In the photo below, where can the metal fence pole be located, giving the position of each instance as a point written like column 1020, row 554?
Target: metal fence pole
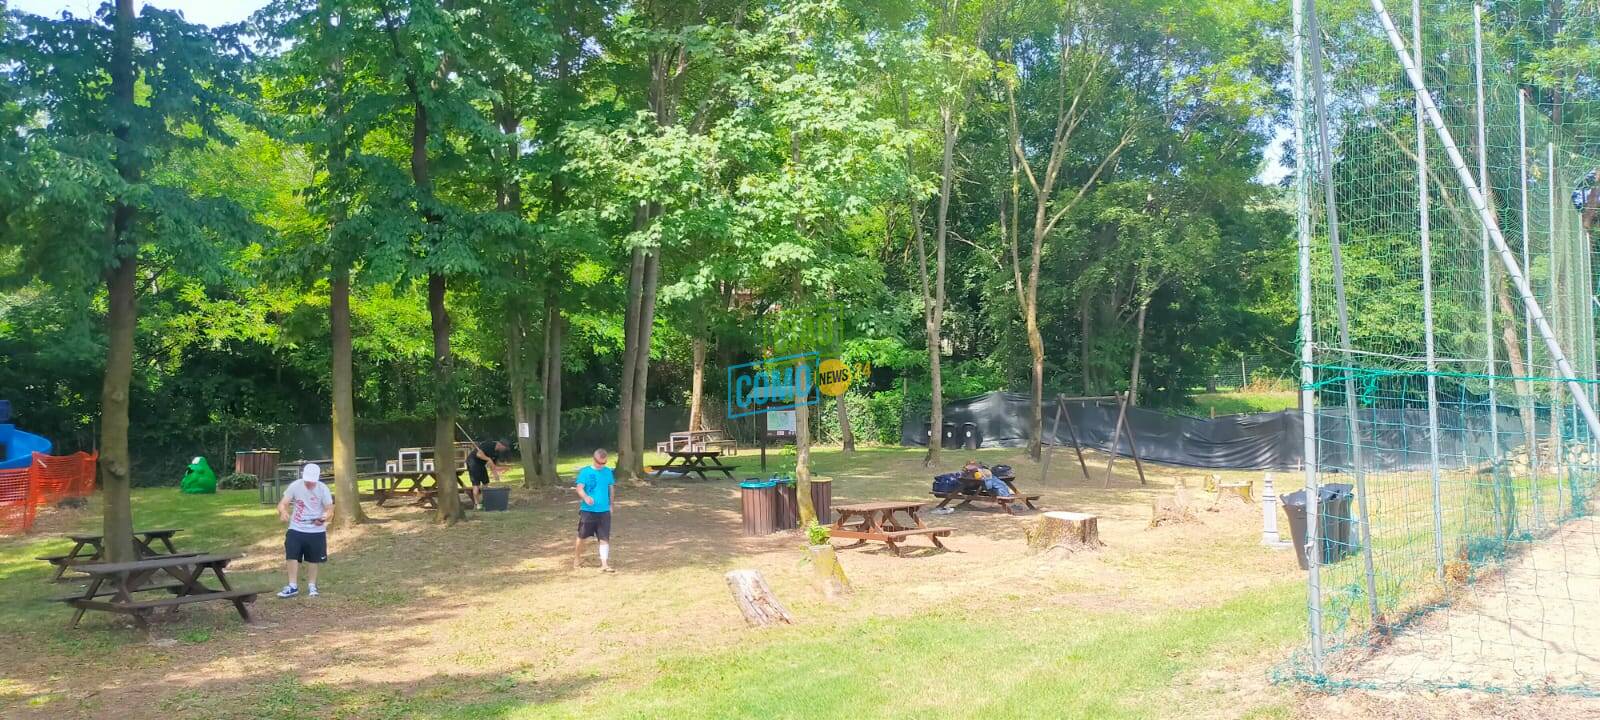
column 1430, row 358
column 1308, row 416
column 1532, row 443
column 1488, row 270
column 1325, row 152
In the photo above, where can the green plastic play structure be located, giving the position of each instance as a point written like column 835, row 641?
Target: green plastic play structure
column 200, row 480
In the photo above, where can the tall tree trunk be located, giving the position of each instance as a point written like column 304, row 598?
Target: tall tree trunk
column 517, row 373
column 550, row 429
column 1036, row 412
column 1085, row 344
column 930, row 327
column 121, row 307
column 641, row 367
column 1138, row 354
column 344, row 402
column 697, row 384
column 444, row 402
column 1519, row 370
column 630, row 356
column 847, row 437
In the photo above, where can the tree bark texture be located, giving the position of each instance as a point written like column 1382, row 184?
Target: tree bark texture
column 344, row 403
column 756, row 600
column 641, row 367
column 697, row 385
column 550, row 428
column 528, row 445
column 827, row 575
column 1138, row 354
column 630, row 356
column 115, row 466
column 1067, row 532
column 847, row 437
column 444, row 403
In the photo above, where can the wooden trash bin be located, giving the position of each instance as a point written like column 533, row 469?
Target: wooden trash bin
column 260, row 463
column 788, row 507
column 822, row 499
column 759, row 507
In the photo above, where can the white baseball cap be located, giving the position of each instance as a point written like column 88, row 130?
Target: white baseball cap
column 310, row 471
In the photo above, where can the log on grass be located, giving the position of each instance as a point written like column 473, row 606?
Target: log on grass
column 1064, row 531
column 756, row 600
column 826, row 572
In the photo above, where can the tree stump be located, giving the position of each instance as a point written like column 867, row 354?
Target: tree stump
column 1175, row 509
column 760, row 607
column 1067, row 532
column 1233, row 492
column 826, row 572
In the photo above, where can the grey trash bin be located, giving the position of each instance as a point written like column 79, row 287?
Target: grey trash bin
column 496, row 499
column 969, row 436
column 1336, row 527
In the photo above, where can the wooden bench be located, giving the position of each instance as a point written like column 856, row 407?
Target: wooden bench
column 876, row 522
column 107, row 592
column 89, row 548
column 1004, row 501
column 123, row 580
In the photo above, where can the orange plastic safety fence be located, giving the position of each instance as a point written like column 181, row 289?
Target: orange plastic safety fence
column 49, row 479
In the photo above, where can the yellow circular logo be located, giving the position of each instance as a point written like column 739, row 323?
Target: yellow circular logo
column 833, row 377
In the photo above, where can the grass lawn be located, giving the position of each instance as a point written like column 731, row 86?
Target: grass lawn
column 1237, row 403
column 486, row 619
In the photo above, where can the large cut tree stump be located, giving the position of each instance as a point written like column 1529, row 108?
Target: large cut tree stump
column 826, row 572
column 1066, row 532
column 760, row 607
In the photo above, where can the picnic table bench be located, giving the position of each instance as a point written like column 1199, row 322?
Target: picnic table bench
column 184, row 585
column 972, row 491
column 143, row 543
column 875, row 522
column 389, row 485
column 698, row 462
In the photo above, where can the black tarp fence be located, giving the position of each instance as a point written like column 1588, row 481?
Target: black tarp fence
column 1391, row 438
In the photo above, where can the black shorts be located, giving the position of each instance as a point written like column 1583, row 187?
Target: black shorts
column 305, row 546
column 594, row 524
column 479, row 473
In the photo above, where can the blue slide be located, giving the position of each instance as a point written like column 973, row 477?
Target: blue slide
column 17, row 447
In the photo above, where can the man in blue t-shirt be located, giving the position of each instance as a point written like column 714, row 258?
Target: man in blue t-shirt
column 594, row 515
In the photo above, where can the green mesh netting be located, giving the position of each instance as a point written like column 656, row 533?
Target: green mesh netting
column 1469, row 558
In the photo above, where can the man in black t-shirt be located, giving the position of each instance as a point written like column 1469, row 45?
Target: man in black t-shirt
column 482, row 459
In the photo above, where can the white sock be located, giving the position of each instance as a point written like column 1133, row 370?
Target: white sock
column 605, row 553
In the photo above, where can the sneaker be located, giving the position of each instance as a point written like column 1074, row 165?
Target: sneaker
column 288, row 591
column 311, row 590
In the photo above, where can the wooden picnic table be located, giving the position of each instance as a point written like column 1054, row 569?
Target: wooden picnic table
column 387, row 485
column 88, row 548
column 698, row 462
column 972, row 490
column 875, row 521
column 181, row 575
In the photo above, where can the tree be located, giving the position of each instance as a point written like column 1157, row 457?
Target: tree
column 105, row 100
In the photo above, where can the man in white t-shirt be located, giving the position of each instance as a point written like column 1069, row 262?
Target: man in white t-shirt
column 307, row 506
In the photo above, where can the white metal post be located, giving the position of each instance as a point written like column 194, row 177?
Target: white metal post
column 1428, row 346
column 1532, row 442
column 1308, row 415
column 1341, row 309
column 1481, row 205
column 1555, row 391
column 1488, row 269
